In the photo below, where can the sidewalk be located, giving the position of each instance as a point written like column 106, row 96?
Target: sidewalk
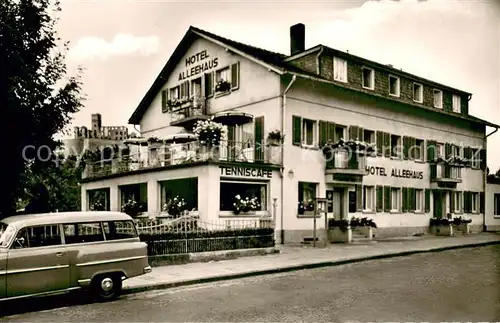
column 295, row 258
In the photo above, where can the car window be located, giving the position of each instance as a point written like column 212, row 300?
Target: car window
column 6, row 233
column 116, row 230
column 38, row 236
column 83, row 232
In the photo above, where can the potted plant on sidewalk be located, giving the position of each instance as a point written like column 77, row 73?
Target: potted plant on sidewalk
column 339, row 231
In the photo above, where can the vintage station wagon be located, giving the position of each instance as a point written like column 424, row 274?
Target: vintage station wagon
column 59, row 252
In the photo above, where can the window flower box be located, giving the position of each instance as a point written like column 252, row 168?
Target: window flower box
column 246, row 205
column 222, row 86
column 461, row 224
column 364, row 226
column 174, row 103
column 306, row 208
column 356, row 146
column 175, row 206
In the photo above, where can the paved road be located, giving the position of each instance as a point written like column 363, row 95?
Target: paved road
column 459, row 285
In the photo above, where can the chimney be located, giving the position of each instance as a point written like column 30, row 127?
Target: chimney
column 297, row 38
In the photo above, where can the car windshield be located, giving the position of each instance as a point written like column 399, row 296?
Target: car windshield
column 6, row 233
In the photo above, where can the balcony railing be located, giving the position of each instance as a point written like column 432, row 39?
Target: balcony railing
column 176, row 154
column 344, row 162
column 446, row 173
column 192, row 110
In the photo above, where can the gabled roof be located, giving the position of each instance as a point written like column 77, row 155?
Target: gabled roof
column 273, row 61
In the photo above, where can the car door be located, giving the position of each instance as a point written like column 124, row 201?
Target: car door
column 38, row 262
column 3, row 272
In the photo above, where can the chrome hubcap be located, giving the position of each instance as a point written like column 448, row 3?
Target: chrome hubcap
column 107, row 284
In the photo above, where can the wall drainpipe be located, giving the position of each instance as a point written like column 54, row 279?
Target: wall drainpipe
column 283, row 127
column 318, row 69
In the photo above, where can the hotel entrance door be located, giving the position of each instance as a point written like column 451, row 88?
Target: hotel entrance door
column 335, row 207
column 439, row 204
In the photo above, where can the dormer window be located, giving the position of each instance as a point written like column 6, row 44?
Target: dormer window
column 438, row 99
column 394, row 85
column 456, row 104
column 368, row 78
column 339, row 69
column 418, row 90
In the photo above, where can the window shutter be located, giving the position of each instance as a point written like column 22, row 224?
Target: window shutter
column 405, row 199
column 235, row 76
column 452, row 201
column 413, row 150
column 380, row 142
column 406, row 145
column 361, row 133
column 387, row 198
column 427, row 200
column 209, row 84
column 481, row 202
column 467, row 156
column 323, row 133
column 447, row 150
column 353, row 132
column 331, row 132
column 359, row 198
column 259, row 138
column 461, row 205
column 482, row 155
column 297, row 130
column 387, row 144
column 380, row 198
column 164, row 107
column 413, row 200
column 431, row 150
column 186, row 89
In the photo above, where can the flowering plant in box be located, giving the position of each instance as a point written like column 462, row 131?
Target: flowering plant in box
column 222, row 86
column 180, row 101
column 175, row 206
column 210, row 132
column 245, row 204
column 132, row 208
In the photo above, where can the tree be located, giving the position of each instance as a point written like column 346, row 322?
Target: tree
column 37, row 99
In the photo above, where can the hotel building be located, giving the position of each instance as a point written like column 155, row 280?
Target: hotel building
column 314, row 97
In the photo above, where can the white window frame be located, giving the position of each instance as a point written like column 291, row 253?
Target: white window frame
column 475, row 164
column 373, row 138
column 421, row 156
column 174, row 93
column 456, row 172
column 419, row 198
column 368, row 191
column 398, row 199
column 456, row 103
column 257, row 213
column 314, row 132
column 399, row 147
column 191, row 87
column 439, row 104
column 474, row 202
column 218, row 73
column 440, row 149
column 342, row 70
column 420, row 91
column 397, row 84
column 457, row 151
column 372, row 78
column 457, row 208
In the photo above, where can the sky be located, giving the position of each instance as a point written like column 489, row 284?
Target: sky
column 123, row 44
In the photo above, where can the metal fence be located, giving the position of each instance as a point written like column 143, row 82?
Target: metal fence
column 191, row 235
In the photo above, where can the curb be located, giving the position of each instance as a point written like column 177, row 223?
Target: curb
column 212, row 279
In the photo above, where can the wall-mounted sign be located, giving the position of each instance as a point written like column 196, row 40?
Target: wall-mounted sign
column 395, row 172
column 198, row 63
column 246, row 172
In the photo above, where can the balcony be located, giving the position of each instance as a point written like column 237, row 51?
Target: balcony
column 343, row 162
column 187, row 114
column 188, row 153
column 446, row 175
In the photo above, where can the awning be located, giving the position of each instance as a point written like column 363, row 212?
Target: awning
column 136, row 141
column 180, row 138
column 232, row 118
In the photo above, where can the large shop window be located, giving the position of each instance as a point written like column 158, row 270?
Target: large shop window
column 229, row 190
column 99, row 199
column 135, row 192
column 184, row 188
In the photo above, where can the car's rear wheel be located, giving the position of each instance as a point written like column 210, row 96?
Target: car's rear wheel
column 107, row 287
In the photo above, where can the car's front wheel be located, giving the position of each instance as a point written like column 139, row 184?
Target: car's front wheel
column 107, row 287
